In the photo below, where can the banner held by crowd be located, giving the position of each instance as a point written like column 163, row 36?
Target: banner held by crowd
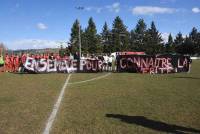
column 117, row 62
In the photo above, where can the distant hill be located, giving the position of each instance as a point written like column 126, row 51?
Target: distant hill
column 34, row 51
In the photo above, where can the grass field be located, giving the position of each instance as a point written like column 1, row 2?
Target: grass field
column 117, row 104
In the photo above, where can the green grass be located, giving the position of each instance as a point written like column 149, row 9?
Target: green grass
column 26, row 101
column 115, row 104
column 171, row 99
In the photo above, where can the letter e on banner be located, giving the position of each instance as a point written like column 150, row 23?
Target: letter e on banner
column 51, row 66
column 29, row 64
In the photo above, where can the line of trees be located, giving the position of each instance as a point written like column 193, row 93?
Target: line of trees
column 141, row 38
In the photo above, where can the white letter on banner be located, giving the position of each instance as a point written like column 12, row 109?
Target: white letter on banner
column 100, row 63
column 62, row 65
column 41, row 65
column 51, row 65
column 83, row 63
column 29, row 64
column 74, row 65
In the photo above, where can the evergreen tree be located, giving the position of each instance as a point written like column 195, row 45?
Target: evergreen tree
column 120, row 36
column 74, row 40
column 193, row 35
column 99, row 45
column 193, row 39
column 62, row 51
column 169, row 47
column 197, row 48
column 91, row 36
column 187, row 47
column 179, row 40
column 138, row 36
column 84, row 42
column 105, row 39
column 139, row 39
column 154, row 41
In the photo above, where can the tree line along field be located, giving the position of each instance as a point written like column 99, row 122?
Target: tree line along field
column 118, row 103
column 142, row 37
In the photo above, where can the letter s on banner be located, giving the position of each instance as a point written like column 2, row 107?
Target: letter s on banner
column 29, row 64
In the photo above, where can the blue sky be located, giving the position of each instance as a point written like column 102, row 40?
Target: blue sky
column 45, row 23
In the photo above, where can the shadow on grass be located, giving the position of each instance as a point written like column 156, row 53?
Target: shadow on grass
column 185, row 77
column 152, row 124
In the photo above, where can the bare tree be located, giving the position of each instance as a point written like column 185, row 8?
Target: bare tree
column 2, row 48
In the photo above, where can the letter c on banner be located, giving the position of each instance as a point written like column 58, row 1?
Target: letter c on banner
column 121, row 63
column 129, row 63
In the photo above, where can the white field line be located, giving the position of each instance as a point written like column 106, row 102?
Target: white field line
column 56, row 106
column 96, row 78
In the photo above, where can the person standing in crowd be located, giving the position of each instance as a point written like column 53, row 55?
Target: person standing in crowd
column 16, row 63
column 7, row 63
column 110, row 63
column 57, row 56
column 118, row 61
column 51, row 57
column 1, row 62
column 23, row 61
column 37, row 57
column 113, row 63
column 76, row 56
column 190, row 63
column 105, row 63
column 23, row 58
column 12, row 59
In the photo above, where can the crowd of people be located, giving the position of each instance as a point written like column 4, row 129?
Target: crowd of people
column 15, row 62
